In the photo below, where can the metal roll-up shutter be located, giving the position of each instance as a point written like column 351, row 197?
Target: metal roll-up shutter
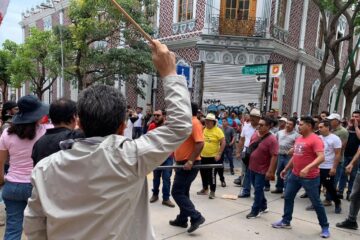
column 230, row 86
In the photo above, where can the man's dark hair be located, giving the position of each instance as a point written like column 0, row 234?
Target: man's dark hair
column 356, row 112
column 101, row 110
column 268, row 121
column 23, row 131
column 224, row 118
column 293, row 120
column 194, row 108
column 308, row 120
column 62, row 111
column 326, row 113
column 326, row 123
column 317, row 117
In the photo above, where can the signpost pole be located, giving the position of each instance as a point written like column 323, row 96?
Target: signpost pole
column 267, row 99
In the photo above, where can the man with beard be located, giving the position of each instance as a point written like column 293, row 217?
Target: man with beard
column 159, row 118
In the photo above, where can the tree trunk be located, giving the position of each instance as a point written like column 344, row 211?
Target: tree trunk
column 39, row 93
column 5, row 92
column 348, row 104
column 316, row 101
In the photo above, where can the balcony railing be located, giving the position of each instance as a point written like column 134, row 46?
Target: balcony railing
column 252, row 27
column 279, row 33
column 319, row 53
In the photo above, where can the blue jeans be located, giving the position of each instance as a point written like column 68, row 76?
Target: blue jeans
column 311, row 186
column 344, row 179
column 228, row 153
column 180, row 192
column 165, row 175
column 258, row 181
column 283, row 160
column 15, row 196
column 246, row 183
column 137, row 132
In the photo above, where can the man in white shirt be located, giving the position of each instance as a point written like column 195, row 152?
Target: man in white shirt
column 137, row 131
column 286, row 139
column 97, row 188
column 332, row 152
column 245, row 137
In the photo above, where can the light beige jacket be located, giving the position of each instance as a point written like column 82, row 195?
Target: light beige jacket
column 99, row 190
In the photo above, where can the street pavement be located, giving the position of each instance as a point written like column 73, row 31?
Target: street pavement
column 226, row 219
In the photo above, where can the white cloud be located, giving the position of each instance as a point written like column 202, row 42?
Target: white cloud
column 10, row 28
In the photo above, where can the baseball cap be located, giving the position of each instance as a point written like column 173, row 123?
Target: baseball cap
column 334, row 116
column 255, row 112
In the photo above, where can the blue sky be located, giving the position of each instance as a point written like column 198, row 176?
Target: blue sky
column 10, row 28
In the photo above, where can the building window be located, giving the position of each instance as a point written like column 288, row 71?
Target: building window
column 237, row 9
column 281, row 13
column 320, row 38
column 341, row 27
column 185, row 10
column 332, row 98
column 314, row 90
column 47, row 23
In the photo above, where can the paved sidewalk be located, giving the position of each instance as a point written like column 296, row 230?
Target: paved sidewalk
column 226, row 219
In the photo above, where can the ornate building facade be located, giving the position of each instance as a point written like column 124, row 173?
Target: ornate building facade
column 217, row 38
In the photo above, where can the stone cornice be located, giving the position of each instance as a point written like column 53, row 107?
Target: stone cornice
column 44, row 13
column 183, row 43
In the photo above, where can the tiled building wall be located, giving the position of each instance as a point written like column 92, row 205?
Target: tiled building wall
column 295, row 23
column 311, row 29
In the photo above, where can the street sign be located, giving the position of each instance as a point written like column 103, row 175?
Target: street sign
column 254, row 69
column 260, row 79
column 186, row 72
column 275, row 70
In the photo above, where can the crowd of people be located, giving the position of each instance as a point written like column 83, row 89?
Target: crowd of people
column 78, row 170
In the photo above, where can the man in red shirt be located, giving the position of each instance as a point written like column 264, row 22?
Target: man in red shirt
column 159, row 118
column 308, row 155
column 264, row 150
column 188, row 154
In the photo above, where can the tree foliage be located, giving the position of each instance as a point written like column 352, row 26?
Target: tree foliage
column 100, row 46
column 331, row 11
column 35, row 61
column 6, row 55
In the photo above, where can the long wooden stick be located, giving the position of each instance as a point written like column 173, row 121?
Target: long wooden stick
column 200, row 166
column 130, row 19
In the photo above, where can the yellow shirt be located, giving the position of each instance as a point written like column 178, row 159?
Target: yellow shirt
column 212, row 139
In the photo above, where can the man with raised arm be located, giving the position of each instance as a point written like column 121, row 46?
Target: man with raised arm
column 97, row 188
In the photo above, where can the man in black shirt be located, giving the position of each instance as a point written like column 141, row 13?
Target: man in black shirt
column 63, row 115
column 352, row 146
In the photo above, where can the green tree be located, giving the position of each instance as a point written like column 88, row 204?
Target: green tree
column 92, row 40
column 331, row 11
column 351, row 72
column 6, row 55
column 35, row 61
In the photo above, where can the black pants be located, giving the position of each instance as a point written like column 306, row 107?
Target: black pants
column 220, row 171
column 180, row 192
column 208, row 174
column 328, row 182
